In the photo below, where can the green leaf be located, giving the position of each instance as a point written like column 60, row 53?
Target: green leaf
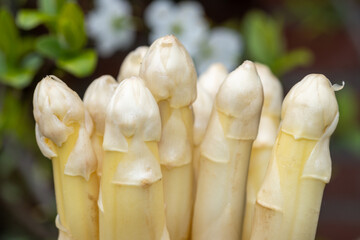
column 32, row 62
column 80, row 65
column 17, row 77
column 20, row 77
column 290, row 60
column 3, row 65
column 29, row 18
column 263, row 37
column 27, row 46
column 15, row 117
column 50, row 47
column 51, row 7
column 354, row 141
column 71, row 27
column 318, row 17
column 348, row 109
column 13, row 113
column 9, row 36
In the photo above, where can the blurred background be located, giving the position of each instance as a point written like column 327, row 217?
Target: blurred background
column 79, row 41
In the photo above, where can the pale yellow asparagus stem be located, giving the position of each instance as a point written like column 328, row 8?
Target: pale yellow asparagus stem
column 300, row 165
column 76, row 198
column 257, row 168
column 178, row 178
column 131, row 212
column 169, row 73
column 202, row 110
column 207, row 87
column 96, row 100
column 225, row 154
column 63, row 129
column 262, row 147
column 131, row 199
column 307, row 213
column 130, row 67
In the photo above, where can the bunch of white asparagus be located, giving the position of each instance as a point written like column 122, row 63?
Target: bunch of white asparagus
column 160, row 155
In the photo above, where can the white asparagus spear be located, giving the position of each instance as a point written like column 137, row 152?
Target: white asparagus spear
column 263, row 144
column 225, row 154
column 212, row 79
column 96, row 100
column 63, row 130
column 202, row 110
column 169, row 73
column 288, row 203
column 130, row 67
column 131, row 199
column 207, row 87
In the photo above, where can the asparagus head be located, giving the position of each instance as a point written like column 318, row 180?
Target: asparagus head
column 169, row 73
column 96, row 100
column 131, row 198
column 289, row 200
column 63, row 131
column 225, row 155
column 263, row 144
column 212, row 79
column 131, row 64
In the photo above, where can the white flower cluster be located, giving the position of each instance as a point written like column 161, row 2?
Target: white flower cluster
column 110, row 25
column 186, row 20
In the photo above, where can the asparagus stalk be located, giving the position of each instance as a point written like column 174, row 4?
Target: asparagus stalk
column 96, row 100
column 202, row 110
column 225, row 154
column 262, row 147
column 131, row 197
column 207, row 87
column 212, row 79
column 169, row 73
column 289, row 200
column 63, row 130
column 131, row 64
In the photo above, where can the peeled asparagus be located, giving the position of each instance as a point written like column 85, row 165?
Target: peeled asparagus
column 288, row 203
column 202, row 110
column 63, row 131
column 96, row 100
column 131, row 199
column 169, row 73
column 212, row 79
column 225, row 154
column 263, row 144
column 131, row 64
column 207, row 87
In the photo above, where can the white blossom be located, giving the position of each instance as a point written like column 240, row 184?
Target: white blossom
column 184, row 20
column 223, row 45
column 110, row 25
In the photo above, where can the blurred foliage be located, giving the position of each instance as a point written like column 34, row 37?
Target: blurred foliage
column 67, row 37
column 318, row 16
column 348, row 129
column 18, row 63
column 264, row 42
column 26, row 192
column 25, row 189
column 15, row 118
column 21, row 57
